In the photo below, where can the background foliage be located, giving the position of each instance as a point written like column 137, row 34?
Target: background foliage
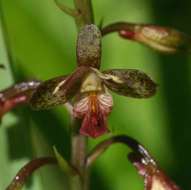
column 42, row 42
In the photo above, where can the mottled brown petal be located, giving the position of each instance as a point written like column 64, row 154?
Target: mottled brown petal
column 129, row 82
column 89, row 46
column 44, row 96
column 58, row 90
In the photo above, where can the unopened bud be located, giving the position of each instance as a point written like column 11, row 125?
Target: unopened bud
column 154, row 178
column 162, row 39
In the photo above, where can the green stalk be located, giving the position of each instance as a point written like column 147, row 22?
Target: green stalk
column 79, row 144
column 84, row 8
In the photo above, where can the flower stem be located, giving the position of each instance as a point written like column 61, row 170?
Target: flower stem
column 79, row 142
column 84, row 7
column 78, row 156
column 25, row 172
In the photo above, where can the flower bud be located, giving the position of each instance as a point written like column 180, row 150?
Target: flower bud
column 163, row 39
column 154, row 178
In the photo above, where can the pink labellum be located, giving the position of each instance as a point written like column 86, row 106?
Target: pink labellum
column 81, row 108
column 94, row 124
column 94, row 110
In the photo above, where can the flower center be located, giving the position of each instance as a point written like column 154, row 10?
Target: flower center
column 93, row 107
column 92, row 83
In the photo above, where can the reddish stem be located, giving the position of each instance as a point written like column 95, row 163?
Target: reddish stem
column 25, row 172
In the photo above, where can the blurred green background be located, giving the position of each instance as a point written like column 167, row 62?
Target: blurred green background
column 43, row 41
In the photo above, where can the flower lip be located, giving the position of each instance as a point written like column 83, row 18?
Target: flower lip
column 94, row 109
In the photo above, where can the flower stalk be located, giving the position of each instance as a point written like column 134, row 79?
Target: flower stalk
column 25, row 172
column 84, row 8
column 71, row 12
column 79, row 142
column 78, row 154
column 154, row 177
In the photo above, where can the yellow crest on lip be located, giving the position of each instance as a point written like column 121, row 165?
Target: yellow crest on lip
column 93, row 102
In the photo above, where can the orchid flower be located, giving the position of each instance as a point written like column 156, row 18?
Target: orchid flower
column 86, row 89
